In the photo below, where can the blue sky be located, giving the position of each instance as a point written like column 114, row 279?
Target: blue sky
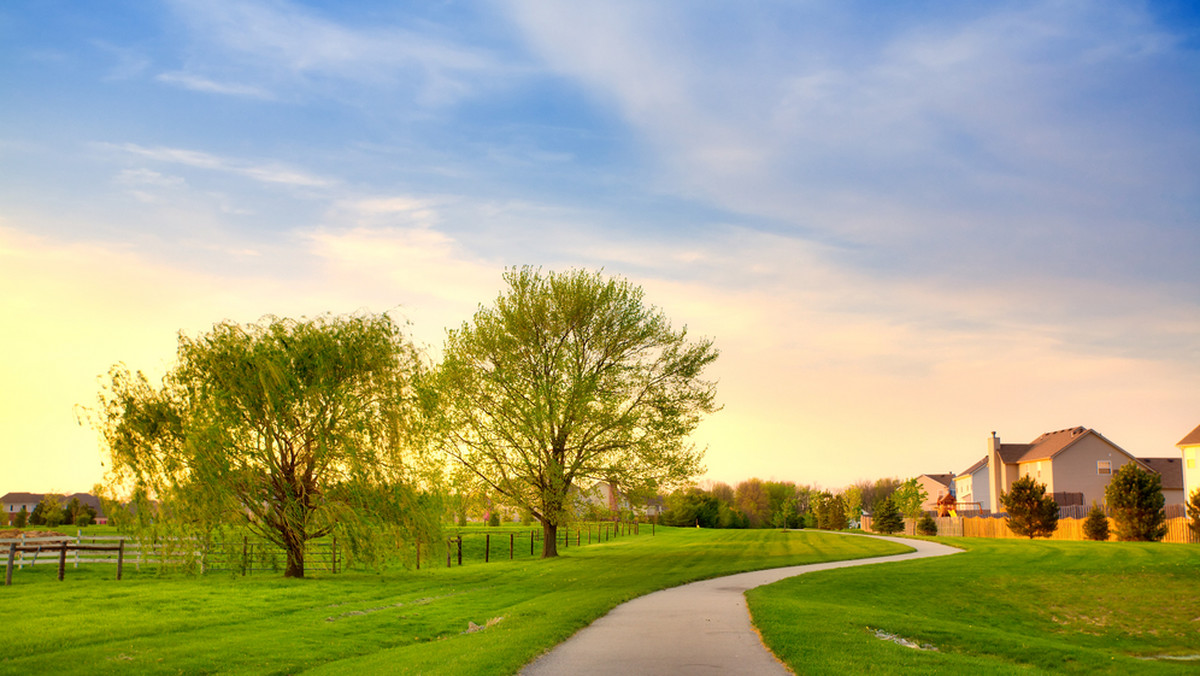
column 905, row 224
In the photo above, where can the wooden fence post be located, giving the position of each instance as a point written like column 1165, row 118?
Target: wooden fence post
column 418, row 555
column 531, row 541
column 120, row 557
column 487, row 547
column 460, row 550
column 245, row 552
column 334, row 555
column 78, row 537
column 62, row 560
column 12, row 553
column 512, row 544
column 448, row 553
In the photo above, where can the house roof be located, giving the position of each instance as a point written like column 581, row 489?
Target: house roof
column 975, row 468
column 1049, row 445
column 943, row 479
column 1170, row 469
column 16, row 498
column 1192, row 439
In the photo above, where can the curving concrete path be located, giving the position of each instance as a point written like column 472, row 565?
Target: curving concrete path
column 697, row 628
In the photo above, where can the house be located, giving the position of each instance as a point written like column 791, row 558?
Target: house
column 971, row 488
column 604, row 498
column 1075, row 464
column 13, row 502
column 1171, row 471
column 936, row 487
column 1190, row 445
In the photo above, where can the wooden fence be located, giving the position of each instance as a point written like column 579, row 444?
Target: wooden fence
column 1068, row 528
column 249, row 555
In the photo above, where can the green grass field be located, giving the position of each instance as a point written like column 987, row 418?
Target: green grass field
column 391, row 622
column 1003, row 606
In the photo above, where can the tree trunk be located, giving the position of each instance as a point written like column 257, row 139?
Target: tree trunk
column 295, row 555
column 549, row 540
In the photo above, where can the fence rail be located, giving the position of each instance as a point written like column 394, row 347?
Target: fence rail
column 248, row 556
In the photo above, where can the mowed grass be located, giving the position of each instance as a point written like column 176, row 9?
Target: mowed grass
column 358, row 622
column 1003, row 606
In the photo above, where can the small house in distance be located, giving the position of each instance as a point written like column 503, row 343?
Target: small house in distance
column 971, row 488
column 936, row 487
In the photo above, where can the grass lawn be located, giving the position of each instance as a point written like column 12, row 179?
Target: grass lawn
column 391, row 622
column 1003, row 606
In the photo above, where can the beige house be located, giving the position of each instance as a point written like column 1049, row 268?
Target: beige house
column 936, row 486
column 1190, row 445
column 1075, row 464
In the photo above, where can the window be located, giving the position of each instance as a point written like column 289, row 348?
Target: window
column 1103, row 467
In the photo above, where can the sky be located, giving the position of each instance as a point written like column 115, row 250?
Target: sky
column 904, row 225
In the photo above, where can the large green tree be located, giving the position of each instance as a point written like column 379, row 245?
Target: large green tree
column 1031, row 512
column 572, row 376
column 296, row 428
column 1136, row 500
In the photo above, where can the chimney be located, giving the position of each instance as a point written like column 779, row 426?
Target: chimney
column 995, row 474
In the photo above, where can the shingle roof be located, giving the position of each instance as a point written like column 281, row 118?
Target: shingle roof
column 973, row 468
column 1192, row 439
column 15, row 498
column 1170, row 469
column 1044, row 447
column 943, row 479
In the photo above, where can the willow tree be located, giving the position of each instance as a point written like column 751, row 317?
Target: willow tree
column 296, row 428
column 571, row 376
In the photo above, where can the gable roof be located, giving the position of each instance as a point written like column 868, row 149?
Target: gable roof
column 1170, row 469
column 975, row 468
column 943, row 479
column 1192, row 439
column 1051, row 444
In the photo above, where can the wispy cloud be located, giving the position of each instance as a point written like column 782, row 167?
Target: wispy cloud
column 283, row 41
column 202, row 84
column 266, row 172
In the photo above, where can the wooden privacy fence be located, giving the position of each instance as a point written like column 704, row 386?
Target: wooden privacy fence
column 1068, row 528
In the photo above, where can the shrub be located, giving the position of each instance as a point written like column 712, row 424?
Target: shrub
column 1136, row 500
column 1096, row 526
column 21, row 519
column 887, row 517
column 1031, row 512
column 494, row 519
column 927, row 526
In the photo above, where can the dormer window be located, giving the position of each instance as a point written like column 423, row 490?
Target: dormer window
column 1103, row 467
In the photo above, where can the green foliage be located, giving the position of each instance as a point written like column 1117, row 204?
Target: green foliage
column 1095, row 527
column 21, row 519
column 1031, row 512
column 887, row 518
column 295, row 428
column 751, row 497
column 1136, row 500
column 927, row 526
column 692, row 507
column 1193, row 511
column 566, row 377
column 49, row 512
column 79, row 513
column 910, row 498
column 494, row 519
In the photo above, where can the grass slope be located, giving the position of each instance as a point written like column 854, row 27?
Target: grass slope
column 1003, row 606
column 393, row 622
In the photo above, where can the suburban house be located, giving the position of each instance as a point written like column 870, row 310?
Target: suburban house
column 1171, row 471
column 1190, row 445
column 971, row 488
column 936, row 487
column 1075, row 464
column 11, row 503
column 605, row 497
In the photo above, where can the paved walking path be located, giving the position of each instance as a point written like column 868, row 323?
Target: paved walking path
column 698, row 628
